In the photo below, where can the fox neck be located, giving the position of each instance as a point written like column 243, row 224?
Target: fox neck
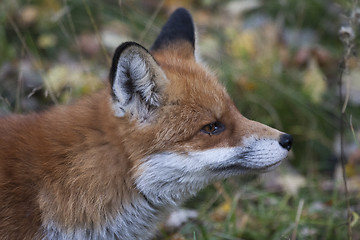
column 135, row 220
column 101, row 204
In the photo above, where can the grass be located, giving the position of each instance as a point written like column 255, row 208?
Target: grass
column 255, row 213
column 258, row 70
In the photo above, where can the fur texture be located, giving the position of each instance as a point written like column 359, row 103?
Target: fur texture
column 113, row 164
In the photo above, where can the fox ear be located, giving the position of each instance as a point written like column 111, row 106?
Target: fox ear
column 178, row 29
column 137, row 82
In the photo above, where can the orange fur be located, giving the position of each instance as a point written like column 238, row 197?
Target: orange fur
column 78, row 165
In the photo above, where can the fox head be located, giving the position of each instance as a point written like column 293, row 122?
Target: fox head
column 185, row 129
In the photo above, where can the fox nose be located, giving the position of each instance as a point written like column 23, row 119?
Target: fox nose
column 286, row 141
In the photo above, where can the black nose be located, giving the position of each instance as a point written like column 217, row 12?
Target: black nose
column 286, row 141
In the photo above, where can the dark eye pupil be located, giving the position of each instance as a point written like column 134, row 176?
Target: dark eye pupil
column 213, row 128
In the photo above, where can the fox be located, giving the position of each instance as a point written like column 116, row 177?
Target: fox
column 115, row 163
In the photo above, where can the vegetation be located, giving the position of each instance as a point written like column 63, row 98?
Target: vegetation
column 278, row 59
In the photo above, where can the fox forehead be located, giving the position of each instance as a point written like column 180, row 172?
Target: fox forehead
column 194, row 98
column 193, row 86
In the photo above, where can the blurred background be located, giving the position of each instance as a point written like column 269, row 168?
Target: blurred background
column 281, row 61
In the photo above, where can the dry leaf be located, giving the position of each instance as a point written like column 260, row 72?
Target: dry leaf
column 221, row 212
column 58, row 78
column 246, row 84
column 29, row 15
column 243, row 44
column 291, row 183
column 47, row 41
column 314, row 82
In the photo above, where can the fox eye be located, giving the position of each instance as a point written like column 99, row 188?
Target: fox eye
column 213, row 128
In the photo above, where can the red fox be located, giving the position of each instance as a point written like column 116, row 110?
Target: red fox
column 112, row 165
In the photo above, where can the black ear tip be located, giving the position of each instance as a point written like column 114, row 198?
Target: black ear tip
column 180, row 26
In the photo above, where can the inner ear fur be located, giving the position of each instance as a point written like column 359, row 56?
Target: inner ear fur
column 137, row 82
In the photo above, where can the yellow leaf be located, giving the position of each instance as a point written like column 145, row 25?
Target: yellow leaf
column 50, row 5
column 47, row 40
column 314, row 83
column 221, row 211
column 61, row 77
column 243, row 45
column 56, row 78
column 355, row 218
column 245, row 84
column 350, row 169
